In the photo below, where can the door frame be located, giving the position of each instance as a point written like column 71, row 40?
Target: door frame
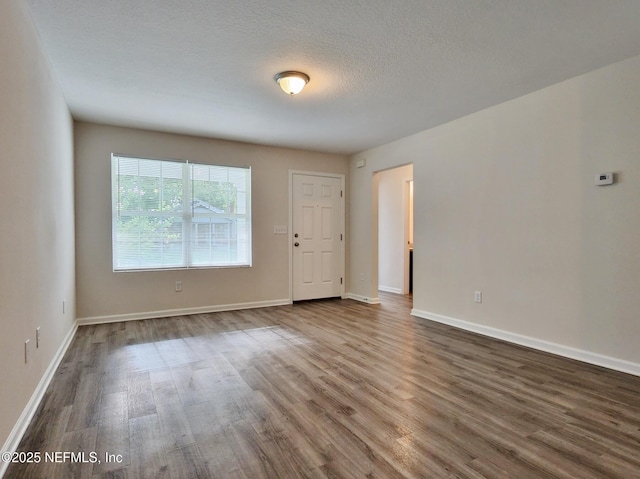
column 408, row 223
column 342, row 248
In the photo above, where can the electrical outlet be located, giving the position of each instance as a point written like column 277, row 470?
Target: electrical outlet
column 477, row 297
column 37, row 337
column 178, row 286
column 26, row 351
column 604, row 179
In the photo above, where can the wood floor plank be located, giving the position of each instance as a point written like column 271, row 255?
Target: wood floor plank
column 140, row 400
column 174, row 423
column 84, row 412
column 219, row 458
column 331, row 388
column 113, row 432
column 187, row 462
column 81, row 442
column 148, row 449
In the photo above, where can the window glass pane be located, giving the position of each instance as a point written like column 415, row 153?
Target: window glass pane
column 243, row 240
column 219, row 241
column 172, row 187
column 238, row 178
column 212, row 191
column 212, row 242
column 150, row 216
column 127, row 181
column 148, row 242
column 149, row 185
column 150, row 191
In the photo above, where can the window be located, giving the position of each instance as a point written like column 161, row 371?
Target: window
column 170, row 214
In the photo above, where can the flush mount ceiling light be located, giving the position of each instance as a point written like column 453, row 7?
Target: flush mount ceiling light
column 291, row 82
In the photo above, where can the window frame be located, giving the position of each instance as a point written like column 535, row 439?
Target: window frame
column 186, row 214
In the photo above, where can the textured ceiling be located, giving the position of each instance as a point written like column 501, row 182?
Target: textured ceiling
column 380, row 69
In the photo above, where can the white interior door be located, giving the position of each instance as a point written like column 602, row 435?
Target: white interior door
column 317, row 236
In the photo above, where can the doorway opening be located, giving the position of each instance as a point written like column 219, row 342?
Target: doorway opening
column 394, row 208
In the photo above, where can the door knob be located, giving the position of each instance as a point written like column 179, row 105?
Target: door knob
column 296, row 244
column 295, row 235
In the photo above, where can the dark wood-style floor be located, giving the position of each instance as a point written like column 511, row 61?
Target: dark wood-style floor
column 330, row 388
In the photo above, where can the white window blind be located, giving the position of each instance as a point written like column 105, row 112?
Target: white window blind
column 169, row 214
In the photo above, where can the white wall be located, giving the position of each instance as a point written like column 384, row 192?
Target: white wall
column 36, row 208
column 105, row 295
column 505, row 203
column 392, row 213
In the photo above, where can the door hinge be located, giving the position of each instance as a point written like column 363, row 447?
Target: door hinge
column 340, row 236
column 340, row 193
column 340, row 280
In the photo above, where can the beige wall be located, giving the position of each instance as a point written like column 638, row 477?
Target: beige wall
column 505, row 204
column 393, row 211
column 101, row 292
column 36, row 208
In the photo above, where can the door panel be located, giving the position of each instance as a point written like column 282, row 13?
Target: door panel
column 307, row 267
column 307, row 222
column 317, row 222
column 327, row 266
column 327, row 223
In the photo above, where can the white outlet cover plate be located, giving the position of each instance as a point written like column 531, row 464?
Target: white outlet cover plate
column 603, row 179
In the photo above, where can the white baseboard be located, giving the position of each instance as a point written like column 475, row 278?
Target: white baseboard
column 13, row 441
column 116, row 318
column 539, row 344
column 363, row 299
column 389, row 289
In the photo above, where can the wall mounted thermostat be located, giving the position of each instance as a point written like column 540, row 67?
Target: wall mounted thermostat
column 604, row 179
